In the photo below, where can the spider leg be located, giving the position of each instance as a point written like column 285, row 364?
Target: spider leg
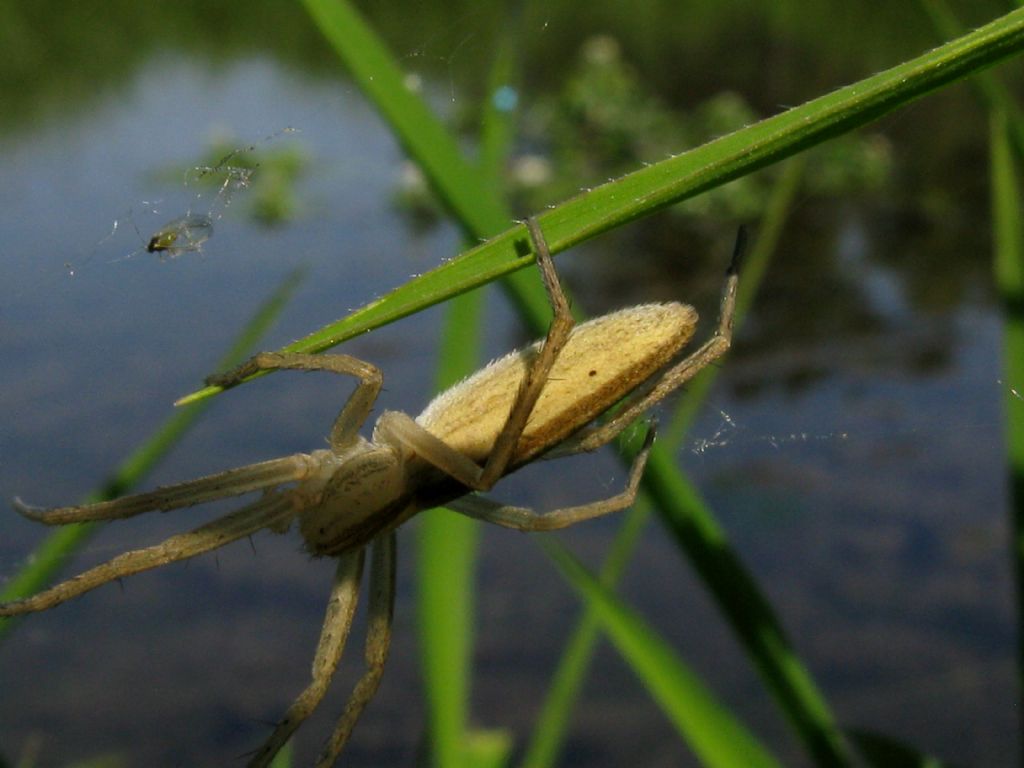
column 356, row 410
column 537, row 375
column 233, row 482
column 337, row 622
column 271, row 511
column 378, row 641
column 671, row 379
column 402, row 428
column 523, row 519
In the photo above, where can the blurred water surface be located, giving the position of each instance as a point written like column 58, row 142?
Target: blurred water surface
column 853, row 445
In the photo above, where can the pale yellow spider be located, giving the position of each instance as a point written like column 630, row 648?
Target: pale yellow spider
column 534, row 402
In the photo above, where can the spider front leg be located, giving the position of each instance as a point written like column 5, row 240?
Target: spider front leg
column 275, row 510
column 400, row 428
column 537, row 374
column 355, row 412
column 675, row 376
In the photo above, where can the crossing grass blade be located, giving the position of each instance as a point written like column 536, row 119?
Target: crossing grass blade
column 711, row 731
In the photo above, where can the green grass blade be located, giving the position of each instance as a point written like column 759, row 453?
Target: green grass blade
column 457, row 183
column 53, row 553
column 553, row 722
column 652, row 187
column 1009, row 275
column 448, row 542
column 992, row 92
column 717, row 738
column 701, row 538
column 780, row 136
column 283, row 759
column 447, row 546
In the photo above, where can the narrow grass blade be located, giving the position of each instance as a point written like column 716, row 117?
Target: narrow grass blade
column 456, row 181
column 447, row 546
column 717, row 738
column 991, row 91
column 448, row 542
column 53, row 553
column 1009, row 275
column 692, row 524
column 553, row 723
column 283, row 759
column 648, row 189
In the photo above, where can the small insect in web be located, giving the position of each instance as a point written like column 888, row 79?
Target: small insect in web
column 229, row 173
column 181, row 235
column 544, row 401
column 185, row 234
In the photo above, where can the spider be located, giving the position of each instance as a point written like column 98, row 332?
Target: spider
column 540, row 401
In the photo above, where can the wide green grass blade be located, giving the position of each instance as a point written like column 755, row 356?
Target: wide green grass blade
column 457, row 182
column 53, row 553
column 1009, row 275
column 554, row 720
column 991, row 91
column 717, row 738
column 640, row 193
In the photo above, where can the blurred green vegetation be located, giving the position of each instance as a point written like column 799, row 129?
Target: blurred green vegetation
column 61, row 57
column 268, row 172
column 606, row 121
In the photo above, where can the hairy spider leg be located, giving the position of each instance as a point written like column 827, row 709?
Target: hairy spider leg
column 273, row 510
